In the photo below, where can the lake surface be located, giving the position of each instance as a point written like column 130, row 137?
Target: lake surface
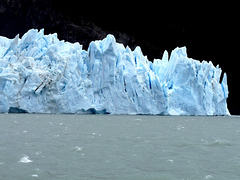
column 79, row 147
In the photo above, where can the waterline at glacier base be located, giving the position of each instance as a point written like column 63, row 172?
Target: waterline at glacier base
column 41, row 74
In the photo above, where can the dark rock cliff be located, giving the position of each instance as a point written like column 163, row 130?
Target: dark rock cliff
column 73, row 24
column 132, row 25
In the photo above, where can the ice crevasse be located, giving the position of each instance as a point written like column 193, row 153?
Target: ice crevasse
column 41, row 74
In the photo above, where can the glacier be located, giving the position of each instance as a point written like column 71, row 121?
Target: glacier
column 42, row 74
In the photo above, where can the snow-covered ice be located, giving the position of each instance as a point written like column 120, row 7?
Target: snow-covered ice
column 41, row 74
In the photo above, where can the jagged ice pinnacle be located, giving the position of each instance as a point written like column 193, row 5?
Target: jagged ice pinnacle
column 41, row 74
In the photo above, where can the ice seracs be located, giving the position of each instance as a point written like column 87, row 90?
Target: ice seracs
column 41, row 74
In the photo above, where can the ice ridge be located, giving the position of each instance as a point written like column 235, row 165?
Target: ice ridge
column 41, row 74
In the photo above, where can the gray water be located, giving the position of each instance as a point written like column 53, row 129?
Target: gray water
column 37, row 146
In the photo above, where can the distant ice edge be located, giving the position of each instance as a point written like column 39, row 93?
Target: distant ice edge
column 41, row 74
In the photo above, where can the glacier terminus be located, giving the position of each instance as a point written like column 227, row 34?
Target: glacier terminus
column 42, row 74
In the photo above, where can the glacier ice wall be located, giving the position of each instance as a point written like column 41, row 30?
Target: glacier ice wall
column 41, row 74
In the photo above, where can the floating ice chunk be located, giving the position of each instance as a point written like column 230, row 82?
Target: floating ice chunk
column 25, row 159
column 35, row 175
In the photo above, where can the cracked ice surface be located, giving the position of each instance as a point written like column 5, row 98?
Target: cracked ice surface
column 41, row 74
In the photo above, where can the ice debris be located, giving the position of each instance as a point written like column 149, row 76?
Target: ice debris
column 41, row 74
column 25, row 159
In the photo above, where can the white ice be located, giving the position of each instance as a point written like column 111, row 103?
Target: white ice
column 41, row 74
column 25, row 159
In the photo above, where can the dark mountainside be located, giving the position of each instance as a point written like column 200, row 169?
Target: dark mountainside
column 208, row 31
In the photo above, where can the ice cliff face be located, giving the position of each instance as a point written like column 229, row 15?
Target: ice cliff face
column 41, row 74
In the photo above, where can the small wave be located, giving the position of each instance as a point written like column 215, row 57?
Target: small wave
column 180, row 127
column 219, row 142
column 208, row 177
column 77, row 148
column 137, row 119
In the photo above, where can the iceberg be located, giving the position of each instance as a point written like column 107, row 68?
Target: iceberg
column 42, row 74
